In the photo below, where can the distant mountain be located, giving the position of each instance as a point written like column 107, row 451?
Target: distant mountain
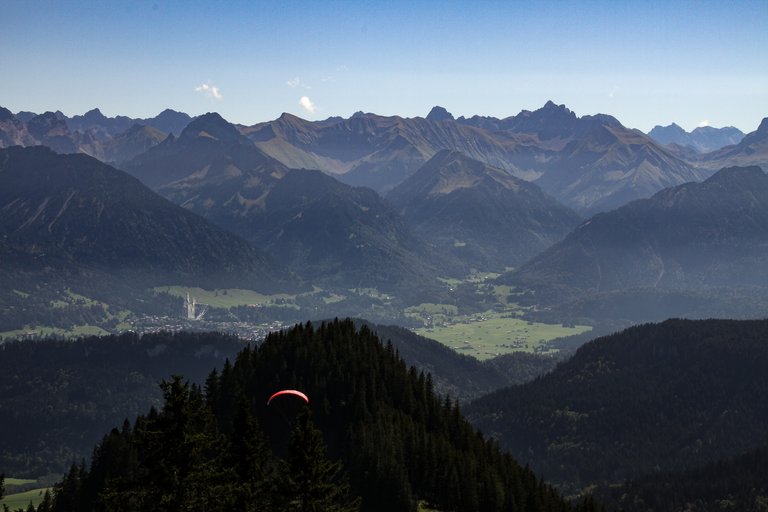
column 752, row 150
column 50, row 130
column 13, row 132
column 131, row 143
column 703, row 139
column 439, row 114
column 373, row 151
column 168, row 121
column 75, row 214
column 601, row 164
column 590, row 163
column 483, row 215
column 689, row 237
column 110, row 139
column 101, row 126
column 325, row 230
column 658, row 397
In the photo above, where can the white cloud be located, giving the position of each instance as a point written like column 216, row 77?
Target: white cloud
column 210, row 91
column 703, row 123
column 307, row 104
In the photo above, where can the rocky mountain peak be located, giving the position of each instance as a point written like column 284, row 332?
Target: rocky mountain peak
column 6, row 115
column 211, row 125
column 439, row 114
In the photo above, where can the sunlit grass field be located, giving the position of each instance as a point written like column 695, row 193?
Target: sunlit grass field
column 489, row 334
column 228, row 298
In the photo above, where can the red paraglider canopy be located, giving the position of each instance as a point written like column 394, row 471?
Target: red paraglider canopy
column 289, row 392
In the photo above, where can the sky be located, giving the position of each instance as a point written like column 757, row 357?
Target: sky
column 645, row 62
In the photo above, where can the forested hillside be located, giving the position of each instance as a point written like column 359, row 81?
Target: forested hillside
column 399, row 443
column 739, row 483
column 658, row 397
column 58, row 397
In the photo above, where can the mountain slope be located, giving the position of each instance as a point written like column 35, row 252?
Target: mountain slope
column 482, row 214
column 72, row 211
column 657, row 397
column 690, row 237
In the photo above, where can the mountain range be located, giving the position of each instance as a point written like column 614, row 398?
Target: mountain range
column 703, row 139
column 464, row 194
column 327, row 231
column 590, row 163
column 111, row 140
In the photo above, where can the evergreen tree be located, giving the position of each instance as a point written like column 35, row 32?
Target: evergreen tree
column 253, row 464
column 47, row 504
column 316, row 483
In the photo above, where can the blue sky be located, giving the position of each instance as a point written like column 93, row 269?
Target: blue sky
column 645, row 62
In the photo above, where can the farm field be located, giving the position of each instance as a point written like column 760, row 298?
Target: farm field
column 226, row 298
column 489, row 334
column 76, row 331
column 22, row 500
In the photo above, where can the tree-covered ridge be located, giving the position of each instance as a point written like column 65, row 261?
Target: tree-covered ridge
column 658, row 397
column 58, row 397
column 739, row 483
column 397, row 440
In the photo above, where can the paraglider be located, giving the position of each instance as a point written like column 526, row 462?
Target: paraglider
column 289, row 392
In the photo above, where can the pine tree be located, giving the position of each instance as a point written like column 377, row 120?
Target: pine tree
column 251, row 459
column 316, row 483
column 47, row 504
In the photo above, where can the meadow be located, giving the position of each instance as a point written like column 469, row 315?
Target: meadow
column 489, row 334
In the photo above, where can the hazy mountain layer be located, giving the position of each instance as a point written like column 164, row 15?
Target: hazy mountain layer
column 752, row 150
column 110, row 139
column 703, row 139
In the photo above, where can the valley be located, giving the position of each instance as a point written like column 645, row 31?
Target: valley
column 376, row 256
column 495, row 274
